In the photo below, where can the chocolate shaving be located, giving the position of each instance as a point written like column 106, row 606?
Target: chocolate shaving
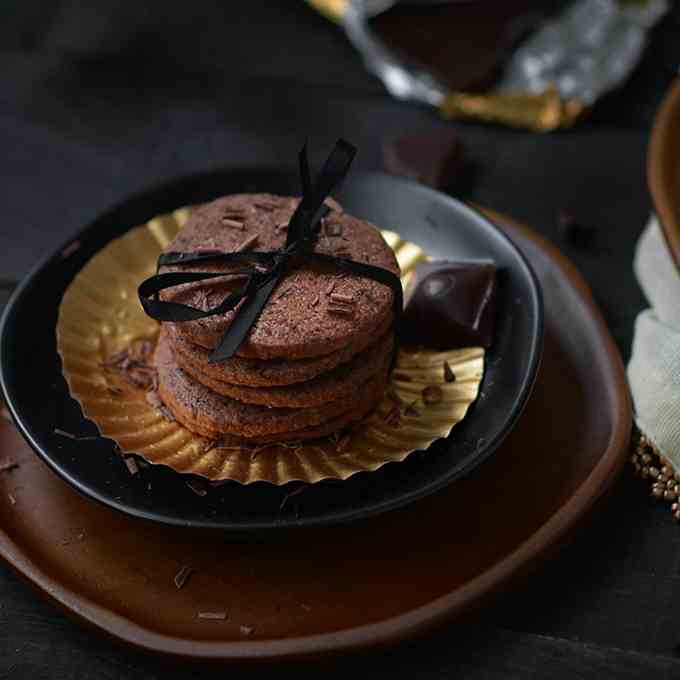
column 233, row 224
column 393, row 416
column 131, row 464
column 411, row 409
column 432, row 394
column 331, row 287
column 401, row 376
column 116, row 360
column 167, row 414
column 449, row 375
column 8, row 465
column 209, row 445
column 182, row 577
column 248, row 243
column 268, row 205
column 217, row 616
column 342, row 310
column 197, row 487
column 342, row 299
column 141, row 377
column 255, row 451
column 69, row 435
column 315, row 301
column 292, row 494
column 70, row 249
column 247, row 630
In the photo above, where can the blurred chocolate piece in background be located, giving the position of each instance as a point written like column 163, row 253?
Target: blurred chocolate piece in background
column 463, row 44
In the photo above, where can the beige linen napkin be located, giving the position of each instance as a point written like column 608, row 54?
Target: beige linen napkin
column 654, row 367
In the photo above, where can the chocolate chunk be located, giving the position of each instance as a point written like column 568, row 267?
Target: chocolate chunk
column 450, row 304
column 434, row 159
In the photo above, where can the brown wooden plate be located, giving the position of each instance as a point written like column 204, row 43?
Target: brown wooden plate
column 356, row 586
column 663, row 168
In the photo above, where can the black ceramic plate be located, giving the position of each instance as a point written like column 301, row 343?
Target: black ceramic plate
column 38, row 398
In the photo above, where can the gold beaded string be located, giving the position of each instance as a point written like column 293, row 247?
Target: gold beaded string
column 649, row 464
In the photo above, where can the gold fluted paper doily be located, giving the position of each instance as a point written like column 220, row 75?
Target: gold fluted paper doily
column 100, row 315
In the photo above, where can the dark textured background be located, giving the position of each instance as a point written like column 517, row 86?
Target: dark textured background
column 100, row 99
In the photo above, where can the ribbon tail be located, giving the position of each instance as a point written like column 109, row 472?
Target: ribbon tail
column 243, row 321
column 305, row 174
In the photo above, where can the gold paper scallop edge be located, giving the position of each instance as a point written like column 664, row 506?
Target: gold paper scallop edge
column 100, row 315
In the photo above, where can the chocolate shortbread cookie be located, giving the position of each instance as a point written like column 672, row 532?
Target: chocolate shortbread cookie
column 340, row 383
column 207, row 413
column 264, row 373
column 315, row 310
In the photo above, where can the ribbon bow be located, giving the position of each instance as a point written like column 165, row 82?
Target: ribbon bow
column 265, row 269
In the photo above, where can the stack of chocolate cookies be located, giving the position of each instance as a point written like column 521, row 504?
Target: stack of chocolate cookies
column 316, row 360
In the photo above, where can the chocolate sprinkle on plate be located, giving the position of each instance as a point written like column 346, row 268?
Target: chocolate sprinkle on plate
column 217, row 616
column 70, row 249
column 393, row 416
column 182, row 577
column 132, row 467
column 432, row 394
column 198, row 488
column 449, row 375
column 342, row 310
column 292, row 494
column 8, row 465
column 69, row 435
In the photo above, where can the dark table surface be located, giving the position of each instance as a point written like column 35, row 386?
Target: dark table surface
column 99, row 100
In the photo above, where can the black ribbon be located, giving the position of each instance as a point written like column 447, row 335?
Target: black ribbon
column 264, row 270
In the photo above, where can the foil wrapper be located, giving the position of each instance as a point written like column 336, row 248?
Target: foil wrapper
column 549, row 81
column 100, row 316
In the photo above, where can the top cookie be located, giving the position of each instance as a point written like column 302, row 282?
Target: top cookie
column 301, row 318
